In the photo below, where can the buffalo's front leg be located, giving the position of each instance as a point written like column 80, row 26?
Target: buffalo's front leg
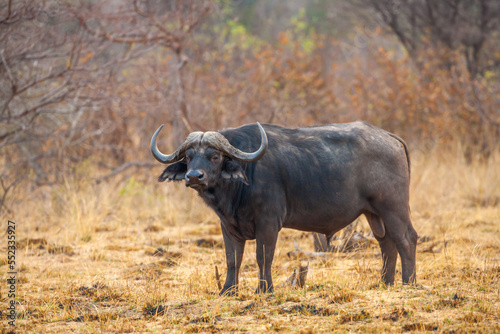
column 266, row 244
column 234, row 254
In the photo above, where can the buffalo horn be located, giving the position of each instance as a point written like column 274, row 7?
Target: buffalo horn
column 216, row 140
column 221, row 143
column 179, row 153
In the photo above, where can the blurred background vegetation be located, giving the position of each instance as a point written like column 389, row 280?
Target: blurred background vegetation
column 84, row 84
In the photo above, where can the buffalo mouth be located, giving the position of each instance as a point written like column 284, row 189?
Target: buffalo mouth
column 196, row 185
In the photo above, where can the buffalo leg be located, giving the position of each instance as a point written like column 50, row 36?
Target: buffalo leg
column 387, row 246
column 389, row 258
column 404, row 236
column 266, row 244
column 234, row 255
column 407, row 250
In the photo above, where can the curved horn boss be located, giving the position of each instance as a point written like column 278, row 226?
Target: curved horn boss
column 220, row 142
column 214, row 139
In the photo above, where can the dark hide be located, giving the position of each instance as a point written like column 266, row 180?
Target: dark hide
column 175, row 172
column 233, row 171
column 317, row 179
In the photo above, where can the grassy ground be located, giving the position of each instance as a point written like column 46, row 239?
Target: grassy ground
column 139, row 256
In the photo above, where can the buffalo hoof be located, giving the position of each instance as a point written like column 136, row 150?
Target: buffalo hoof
column 262, row 290
column 229, row 291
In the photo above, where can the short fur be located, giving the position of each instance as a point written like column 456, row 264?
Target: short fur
column 317, row 179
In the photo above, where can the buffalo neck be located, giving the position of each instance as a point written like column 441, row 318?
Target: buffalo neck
column 223, row 198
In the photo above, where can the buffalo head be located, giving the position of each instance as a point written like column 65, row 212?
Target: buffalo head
column 206, row 157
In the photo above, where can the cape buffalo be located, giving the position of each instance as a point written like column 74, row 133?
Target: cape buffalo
column 317, row 179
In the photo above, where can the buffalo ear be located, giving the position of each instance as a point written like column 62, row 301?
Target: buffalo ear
column 232, row 171
column 175, row 172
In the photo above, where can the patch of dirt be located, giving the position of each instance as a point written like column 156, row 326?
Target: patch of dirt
column 305, row 309
column 154, row 310
column 491, row 247
column 163, row 241
column 472, row 317
column 86, row 318
column 343, row 296
column 169, row 262
column 153, row 228
column 119, row 248
column 151, row 270
column 197, row 328
column 206, row 319
column 39, row 243
column 396, row 315
column 102, row 228
column 60, row 249
column 163, row 253
column 90, row 291
column 248, row 308
column 98, row 292
column 418, row 326
column 208, row 243
column 350, row 317
column 454, row 301
column 173, row 308
column 489, row 201
column 479, row 222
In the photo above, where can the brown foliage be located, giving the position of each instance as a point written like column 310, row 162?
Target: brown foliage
column 86, row 82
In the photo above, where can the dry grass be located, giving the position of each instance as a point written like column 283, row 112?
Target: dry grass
column 138, row 256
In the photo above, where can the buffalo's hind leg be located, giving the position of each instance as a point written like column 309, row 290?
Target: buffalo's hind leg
column 402, row 234
column 387, row 246
column 389, row 258
column 407, row 248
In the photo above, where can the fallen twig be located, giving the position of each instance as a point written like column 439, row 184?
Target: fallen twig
column 348, row 242
column 217, row 278
column 430, row 247
column 308, row 255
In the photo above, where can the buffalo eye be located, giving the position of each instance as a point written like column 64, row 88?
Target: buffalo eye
column 215, row 158
column 189, row 155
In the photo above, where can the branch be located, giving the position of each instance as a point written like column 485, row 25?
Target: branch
column 8, row 12
column 125, row 38
column 298, row 252
column 217, row 278
column 390, row 17
column 430, row 247
column 125, row 166
column 479, row 109
column 41, row 104
column 8, row 134
column 6, row 190
column 175, row 41
column 208, row 6
column 7, row 69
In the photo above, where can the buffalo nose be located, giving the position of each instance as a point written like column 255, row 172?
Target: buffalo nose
column 195, row 175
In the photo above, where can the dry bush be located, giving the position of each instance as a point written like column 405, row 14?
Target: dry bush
column 235, row 78
column 97, row 84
